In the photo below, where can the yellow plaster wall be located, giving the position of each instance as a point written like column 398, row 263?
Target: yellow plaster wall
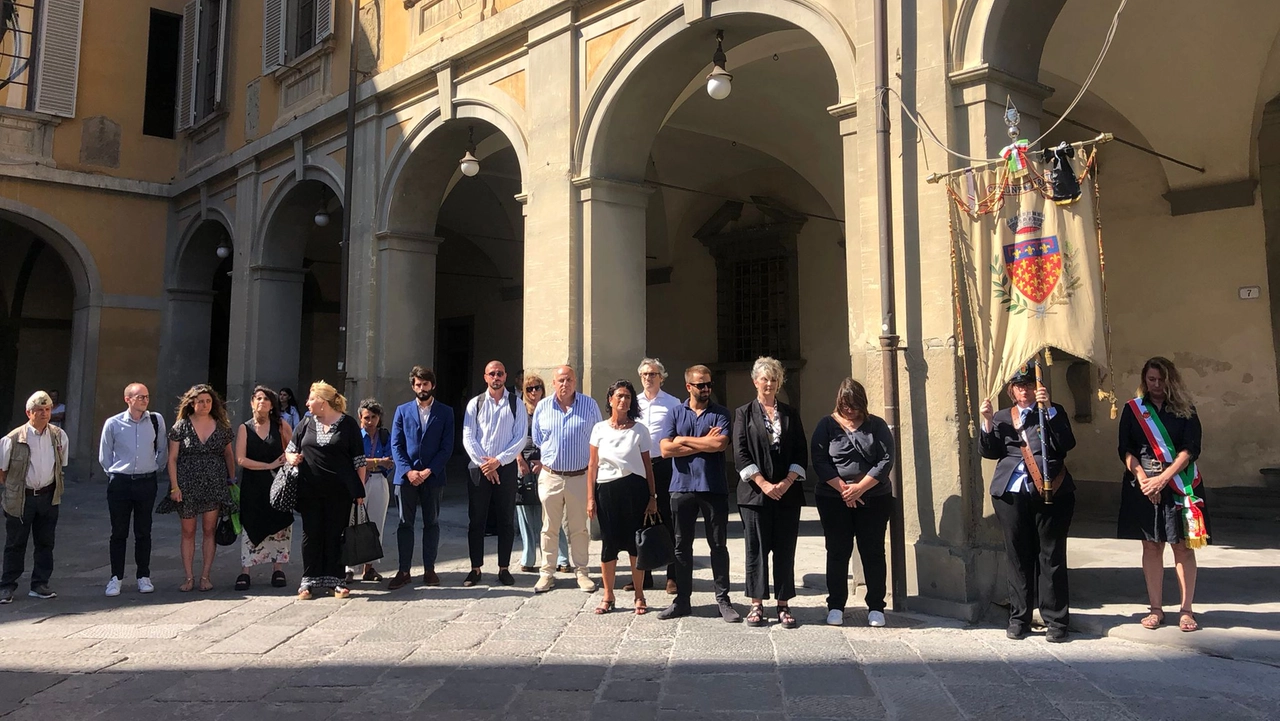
column 128, row 352
column 112, row 83
column 125, row 233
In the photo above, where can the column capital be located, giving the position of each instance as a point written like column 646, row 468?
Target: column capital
column 985, row 83
column 606, row 190
column 277, row 273
column 847, row 114
column 408, row 242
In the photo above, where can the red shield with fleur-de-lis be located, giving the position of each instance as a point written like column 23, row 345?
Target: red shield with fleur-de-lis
column 1034, row 266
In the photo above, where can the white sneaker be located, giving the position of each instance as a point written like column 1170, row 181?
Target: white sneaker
column 875, row 619
column 144, row 585
column 835, row 617
column 113, row 586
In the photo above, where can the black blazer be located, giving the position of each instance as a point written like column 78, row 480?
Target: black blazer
column 751, row 446
column 1002, row 443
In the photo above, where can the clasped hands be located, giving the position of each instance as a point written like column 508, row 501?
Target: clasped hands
column 775, row 490
column 489, row 467
column 1151, row 486
column 851, row 494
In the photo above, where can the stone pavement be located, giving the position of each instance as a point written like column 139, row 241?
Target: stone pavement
column 505, row 653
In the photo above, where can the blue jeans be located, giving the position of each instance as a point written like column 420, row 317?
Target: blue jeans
column 530, row 522
column 410, row 498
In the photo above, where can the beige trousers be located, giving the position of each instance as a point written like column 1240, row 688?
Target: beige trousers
column 564, row 504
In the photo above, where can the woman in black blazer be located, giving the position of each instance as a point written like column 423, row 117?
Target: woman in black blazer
column 1035, row 532
column 770, row 455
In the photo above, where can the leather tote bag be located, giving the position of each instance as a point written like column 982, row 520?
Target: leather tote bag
column 360, row 541
column 226, row 533
column 655, row 548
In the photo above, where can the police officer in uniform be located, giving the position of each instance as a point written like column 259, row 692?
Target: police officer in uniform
column 1035, row 520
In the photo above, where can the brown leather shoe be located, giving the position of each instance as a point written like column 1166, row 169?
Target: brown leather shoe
column 430, row 578
column 400, row 580
column 671, row 587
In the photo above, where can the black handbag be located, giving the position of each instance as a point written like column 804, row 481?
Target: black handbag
column 284, row 489
column 226, row 534
column 655, row 548
column 361, row 542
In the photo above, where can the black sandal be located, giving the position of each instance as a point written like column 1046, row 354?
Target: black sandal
column 785, row 617
column 756, row 617
column 278, row 579
column 242, row 582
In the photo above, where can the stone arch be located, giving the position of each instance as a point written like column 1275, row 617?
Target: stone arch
column 177, row 270
column 258, row 252
column 465, row 109
column 595, row 131
column 82, row 372
column 1005, row 34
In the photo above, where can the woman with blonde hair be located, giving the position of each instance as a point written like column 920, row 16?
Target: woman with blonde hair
column 329, row 449
column 1162, row 496
column 202, row 468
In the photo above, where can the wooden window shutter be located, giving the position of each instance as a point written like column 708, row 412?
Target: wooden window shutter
column 58, row 64
column 188, row 68
column 273, row 34
column 324, row 18
column 220, row 55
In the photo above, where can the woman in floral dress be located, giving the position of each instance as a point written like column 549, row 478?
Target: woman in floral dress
column 201, row 468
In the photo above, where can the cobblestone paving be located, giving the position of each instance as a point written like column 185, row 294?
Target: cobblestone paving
column 506, row 653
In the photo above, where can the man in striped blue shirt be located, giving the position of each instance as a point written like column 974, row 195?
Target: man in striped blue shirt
column 562, row 426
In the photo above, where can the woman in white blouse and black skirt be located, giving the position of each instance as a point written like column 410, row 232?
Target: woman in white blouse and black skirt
column 620, row 488
column 770, row 456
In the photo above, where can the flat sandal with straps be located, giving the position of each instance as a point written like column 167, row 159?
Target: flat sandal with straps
column 1154, row 619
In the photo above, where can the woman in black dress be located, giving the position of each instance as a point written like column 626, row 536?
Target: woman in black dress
column 268, row 533
column 770, row 455
column 852, row 453
column 332, row 477
column 1159, row 443
column 201, row 470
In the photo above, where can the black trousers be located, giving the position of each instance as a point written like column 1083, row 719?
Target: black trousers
column 770, row 529
column 485, row 498
column 38, row 522
column 662, row 486
column 410, row 498
column 714, row 508
column 1035, row 546
column 131, row 498
column 325, row 507
column 841, row 526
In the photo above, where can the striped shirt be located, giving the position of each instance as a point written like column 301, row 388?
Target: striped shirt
column 490, row 428
column 564, row 436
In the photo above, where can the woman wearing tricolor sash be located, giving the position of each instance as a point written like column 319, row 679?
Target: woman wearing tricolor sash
column 1162, row 496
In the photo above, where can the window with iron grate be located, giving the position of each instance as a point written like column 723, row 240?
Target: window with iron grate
column 754, row 308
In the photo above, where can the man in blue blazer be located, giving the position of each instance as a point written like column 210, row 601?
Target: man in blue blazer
column 421, row 444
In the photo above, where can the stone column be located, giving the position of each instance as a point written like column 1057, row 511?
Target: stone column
column 244, row 307
column 552, row 253
column 613, row 280
column 406, row 331
column 363, row 290
column 189, row 316
column 275, row 332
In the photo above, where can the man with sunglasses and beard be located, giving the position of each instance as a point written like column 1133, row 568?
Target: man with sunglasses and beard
column 695, row 438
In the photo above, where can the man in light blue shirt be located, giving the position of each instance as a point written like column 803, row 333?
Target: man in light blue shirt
column 562, row 426
column 133, row 448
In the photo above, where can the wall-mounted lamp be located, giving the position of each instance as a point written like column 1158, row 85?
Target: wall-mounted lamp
column 322, row 217
column 469, row 164
column 224, row 250
column 719, row 81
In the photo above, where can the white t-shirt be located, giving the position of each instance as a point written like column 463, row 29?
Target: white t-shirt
column 619, row 450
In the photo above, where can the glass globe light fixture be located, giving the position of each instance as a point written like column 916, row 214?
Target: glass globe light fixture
column 719, row 81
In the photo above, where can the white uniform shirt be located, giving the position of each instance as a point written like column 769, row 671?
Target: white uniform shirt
column 40, row 473
column 619, row 450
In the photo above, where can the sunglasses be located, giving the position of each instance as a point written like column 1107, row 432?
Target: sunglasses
column 700, row 386
column 531, row 389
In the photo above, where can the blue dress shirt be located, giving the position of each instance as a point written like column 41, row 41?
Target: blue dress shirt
column 564, row 436
column 129, row 447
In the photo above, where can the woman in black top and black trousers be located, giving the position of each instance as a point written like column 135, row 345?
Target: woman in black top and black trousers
column 1035, row 532
column 332, row 477
column 852, row 455
column 770, row 456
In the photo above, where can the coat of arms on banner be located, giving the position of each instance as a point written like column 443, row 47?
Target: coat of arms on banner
column 1033, row 271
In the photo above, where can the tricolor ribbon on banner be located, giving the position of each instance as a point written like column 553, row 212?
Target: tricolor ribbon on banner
column 1016, row 157
column 1184, row 483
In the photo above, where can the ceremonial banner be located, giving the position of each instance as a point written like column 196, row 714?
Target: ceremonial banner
column 1032, row 268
